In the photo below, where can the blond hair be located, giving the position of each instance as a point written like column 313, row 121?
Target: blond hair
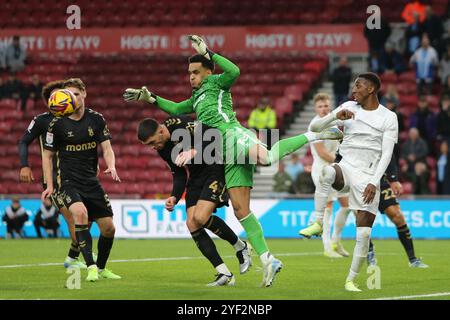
column 321, row 96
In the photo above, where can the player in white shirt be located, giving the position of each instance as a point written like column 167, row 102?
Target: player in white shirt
column 324, row 153
column 370, row 133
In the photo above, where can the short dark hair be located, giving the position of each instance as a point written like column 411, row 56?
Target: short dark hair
column 49, row 87
column 208, row 64
column 76, row 83
column 373, row 78
column 147, row 128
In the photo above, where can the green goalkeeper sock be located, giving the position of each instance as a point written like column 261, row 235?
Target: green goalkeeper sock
column 254, row 233
column 286, row 146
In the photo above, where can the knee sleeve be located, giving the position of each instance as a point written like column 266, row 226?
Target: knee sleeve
column 328, row 175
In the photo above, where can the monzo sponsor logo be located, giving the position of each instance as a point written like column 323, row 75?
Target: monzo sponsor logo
column 81, row 147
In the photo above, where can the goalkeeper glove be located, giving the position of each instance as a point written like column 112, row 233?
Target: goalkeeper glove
column 139, row 95
column 200, row 46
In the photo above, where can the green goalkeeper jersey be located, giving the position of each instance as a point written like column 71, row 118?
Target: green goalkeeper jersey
column 211, row 102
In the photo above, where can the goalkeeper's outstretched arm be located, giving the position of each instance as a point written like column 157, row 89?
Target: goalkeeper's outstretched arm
column 174, row 108
column 171, row 107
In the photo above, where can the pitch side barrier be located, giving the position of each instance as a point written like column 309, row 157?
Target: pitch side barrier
column 428, row 218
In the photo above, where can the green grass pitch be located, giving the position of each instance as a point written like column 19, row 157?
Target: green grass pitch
column 175, row 269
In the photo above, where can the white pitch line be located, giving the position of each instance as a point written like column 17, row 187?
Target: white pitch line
column 150, row 260
column 440, row 294
column 50, row 264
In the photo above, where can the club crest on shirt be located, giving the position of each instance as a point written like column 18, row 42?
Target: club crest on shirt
column 91, row 132
column 49, row 137
column 70, row 134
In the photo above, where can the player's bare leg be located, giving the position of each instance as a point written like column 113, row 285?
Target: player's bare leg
column 364, row 223
column 339, row 223
column 196, row 215
column 396, row 216
column 104, row 245
column 84, row 238
column 240, row 199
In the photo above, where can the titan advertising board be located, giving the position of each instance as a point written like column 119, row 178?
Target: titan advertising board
column 427, row 219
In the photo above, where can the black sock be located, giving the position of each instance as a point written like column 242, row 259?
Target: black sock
column 74, row 251
column 221, row 229
column 104, row 248
column 405, row 238
column 84, row 239
column 207, row 246
column 370, row 245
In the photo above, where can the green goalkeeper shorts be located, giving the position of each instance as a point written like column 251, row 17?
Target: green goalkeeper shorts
column 239, row 168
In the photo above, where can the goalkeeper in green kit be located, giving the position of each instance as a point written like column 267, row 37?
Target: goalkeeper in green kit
column 211, row 101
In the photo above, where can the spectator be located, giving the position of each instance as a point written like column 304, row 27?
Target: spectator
column 341, row 78
column 282, row 182
column 15, row 218
column 415, row 151
column 391, row 105
column 2, row 89
column 433, row 27
column 15, row 56
column 294, row 167
column 377, row 39
column 391, row 95
column 263, row 117
column 413, row 34
column 34, row 88
column 420, row 178
column 391, row 60
column 443, row 120
column 304, row 183
column 446, row 87
column 425, row 121
column 14, row 89
column 47, row 218
column 443, row 170
column 444, row 66
column 425, row 59
column 2, row 57
column 412, row 9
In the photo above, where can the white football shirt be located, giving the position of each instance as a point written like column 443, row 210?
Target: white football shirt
column 363, row 135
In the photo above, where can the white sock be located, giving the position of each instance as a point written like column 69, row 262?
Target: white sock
column 222, row 268
column 239, row 245
column 69, row 259
column 339, row 223
column 326, row 179
column 326, row 229
column 265, row 257
column 360, row 251
column 311, row 136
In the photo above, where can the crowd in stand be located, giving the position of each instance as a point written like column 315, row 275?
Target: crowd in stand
column 13, row 60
